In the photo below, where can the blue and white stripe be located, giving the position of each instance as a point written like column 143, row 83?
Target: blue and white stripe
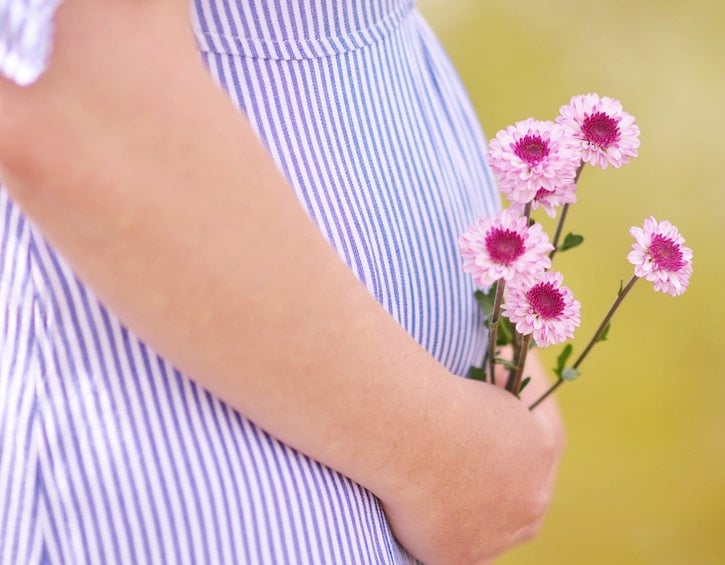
column 26, row 28
column 109, row 455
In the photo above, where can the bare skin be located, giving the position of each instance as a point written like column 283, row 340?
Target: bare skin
column 110, row 154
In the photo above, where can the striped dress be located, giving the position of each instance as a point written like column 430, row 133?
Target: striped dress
column 110, row 455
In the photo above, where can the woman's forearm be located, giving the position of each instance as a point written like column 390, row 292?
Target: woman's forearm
column 161, row 197
column 156, row 189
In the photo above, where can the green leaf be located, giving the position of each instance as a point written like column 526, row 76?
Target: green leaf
column 571, row 241
column 562, row 359
column 485, row 300
column 477, row 374
column 505, row 332
column 526, row 381
column 570, row 373
column 505, row 362
column 605, row 333
column 621, row 287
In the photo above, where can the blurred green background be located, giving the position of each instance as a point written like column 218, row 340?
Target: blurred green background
column 643, row 480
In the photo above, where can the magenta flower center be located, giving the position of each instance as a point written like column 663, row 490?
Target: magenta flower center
column 531, row 148
column 543, row 193
column 601, row 129
column 665, row 253
column 546, row 300
column 504, row 246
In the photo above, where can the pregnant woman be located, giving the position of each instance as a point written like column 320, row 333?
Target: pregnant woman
column 232, row 312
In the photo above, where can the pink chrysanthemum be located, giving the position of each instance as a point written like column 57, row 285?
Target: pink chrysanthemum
column 659, row 255
column 550, row 200
column 504, row 246
column 545, row 309
column 532, row 155
column 606, row 134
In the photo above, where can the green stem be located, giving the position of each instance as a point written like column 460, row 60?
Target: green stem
column 562, row 217
column 559, row 229
column 514, row 383
column 543, row 397
column 605, row 322
column 493, row 327
column 516, row 351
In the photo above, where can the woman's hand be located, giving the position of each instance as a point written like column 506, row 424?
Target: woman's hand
column 489, row 489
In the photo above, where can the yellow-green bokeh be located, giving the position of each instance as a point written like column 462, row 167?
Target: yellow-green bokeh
column 643, row 480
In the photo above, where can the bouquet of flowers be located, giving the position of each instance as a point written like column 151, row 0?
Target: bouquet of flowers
column 537, row 165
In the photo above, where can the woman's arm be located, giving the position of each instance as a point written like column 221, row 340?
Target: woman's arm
column 154, row 187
